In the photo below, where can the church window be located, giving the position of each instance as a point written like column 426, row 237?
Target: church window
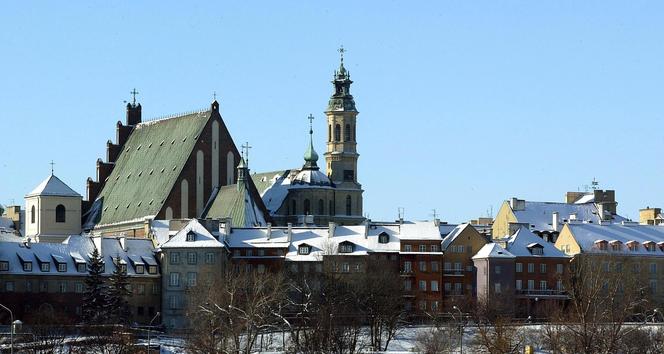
column 307, row 207
column 347, row 133
column 32, row 215
column 337, row 132
column 60, row 213
column 349, row 175
column 321, row 207
column 349, row 205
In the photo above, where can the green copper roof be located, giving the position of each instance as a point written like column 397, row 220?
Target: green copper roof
column 263, row 180
column 147, row 168
column 235, row 202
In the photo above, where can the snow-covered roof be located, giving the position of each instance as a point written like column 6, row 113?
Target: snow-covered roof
column 523, row 240
column 492, row 250
column 539, row 215
column 420, row 230
column 53, row 186
column 202, row 237
column 587, row 198
column 74, row 250
column 586, row 236
column 278, row 184
column 453, row 235
column 311, row 177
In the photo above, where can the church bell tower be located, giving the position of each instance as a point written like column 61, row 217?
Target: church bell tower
column 341, row 156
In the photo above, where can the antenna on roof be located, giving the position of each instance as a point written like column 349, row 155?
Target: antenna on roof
column 594, row 184
column 434, row 214
column 402, row 212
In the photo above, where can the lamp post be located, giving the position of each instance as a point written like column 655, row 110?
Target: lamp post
column 11, row 328
column 460, row 329
column 150, row 329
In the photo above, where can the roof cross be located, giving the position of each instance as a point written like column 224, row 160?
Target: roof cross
column 311, row 120
column 52, row 164
column 245, row 152
column 341, row 51
column 134, row 93
column 214, row 95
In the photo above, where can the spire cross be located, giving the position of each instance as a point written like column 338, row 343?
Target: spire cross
column 52, row 164
column 311, row 120
column 134, row 93
column 214, row 95
column 341, row 51
column 245, row 152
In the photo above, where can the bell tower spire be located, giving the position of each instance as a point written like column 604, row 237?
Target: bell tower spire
column 341, row 155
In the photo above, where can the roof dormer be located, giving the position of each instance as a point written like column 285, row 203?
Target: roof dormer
column 536, row 249
column 346, row 247
column 632, row 245
column 601, row 245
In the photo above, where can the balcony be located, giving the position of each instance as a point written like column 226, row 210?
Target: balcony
column 541, row 293
column 406, row 273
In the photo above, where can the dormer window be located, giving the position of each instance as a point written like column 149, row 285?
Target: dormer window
column 633, row 246
column 650, row 246
column 191, row 236
column 27, row 266
column 304, row 249
column 62, row 267
column 140, row 269
column 4, row 266
column 81, row 268
column 536, row 249
column 45, row 267
column 346, row 247
column 602, row 245
column 616, row 246
column 383, row 237
column 60, row 263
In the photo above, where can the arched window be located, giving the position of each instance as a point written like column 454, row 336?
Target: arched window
column 329, row 132
column 294, row 207
column 60, row 213
column 321, row 207
column 354, row 136
column 337, row 132
column 347, row 133
column 32, row 215
column 307, row 207
column 331, row 208
column 230, row 168
column 349, row 205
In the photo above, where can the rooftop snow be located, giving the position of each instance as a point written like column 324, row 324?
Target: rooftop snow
column 53, row 186
column 492, row 250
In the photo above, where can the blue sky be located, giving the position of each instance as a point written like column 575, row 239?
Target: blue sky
column 462, row 104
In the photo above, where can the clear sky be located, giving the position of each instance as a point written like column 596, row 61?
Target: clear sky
column 462, row 104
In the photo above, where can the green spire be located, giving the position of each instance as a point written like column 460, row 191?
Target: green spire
column 242, row 173
column 310, row 155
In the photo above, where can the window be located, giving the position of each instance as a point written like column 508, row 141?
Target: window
column 249, row 253
column 43, row 286
column 458, row 267
column 236, row 253
column 209, row 258
column 447, row 266
column 434, row 285
column 542, row 268
column 337, row 132
column 423, row 285
column 9, row 286
column 345, row 267
column 307, row 207
column 531, row 284
column 346, row 248
column 497, row 269
column 383, row 238
column 653, row 268
column 62, row 267
column 321, row 207
column 192, row 258
column 458, row 288
column 537, row 251
column 434, row 266
column 559, row 268
column 653, row 286
column 140, row 269
column 543, row 285
column 358, row 267
column 4, row 266
column 349, row 203
column 423, row 305
column 45, row 267
column 27, row 266
column 319, row 268
column 81, row 267
column 434, row 305
column 261, row 268
column 407, row 266
column 448, row 287
column 519, row 267
column 303, row 249
column 347, row 132
column 423, row 266
column 28, row 286
column 60, row 213
column 152, row 269
column 636, row 268
column 460, row 248
column 78, row 287
column 174, row 279
column 519, row 284
column 496, row 288
column 140, row 289
column 174, row 302
column 423, row 248
column 619, row 267
column 531, row 267
column 156, row 289
column 407, row 248
column 191, row 278
column 435, row 248
column 32, row 215
column 175, row 257
column 559, row 285
column 191, row 236
column 62, row 286
column 407, row 285
column 329, row 132
column 294, row 268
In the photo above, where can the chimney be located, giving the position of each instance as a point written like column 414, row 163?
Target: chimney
column 104, row 170
column 555, row 220
column 133, row 114
column 122, row 133
column 228, row 226
column 330, row 229
column 269, row 230
column 367, row 226
column 513, row 227
column 123, row 242
column 436, row 222
column 290, row 232
column 91, row 189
